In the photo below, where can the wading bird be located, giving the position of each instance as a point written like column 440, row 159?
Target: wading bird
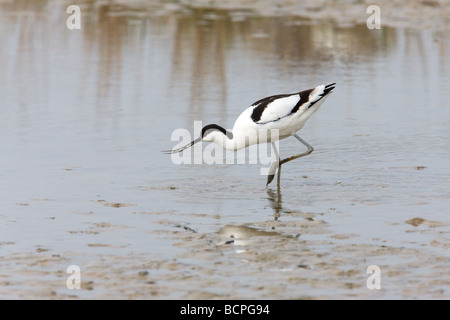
column 284, row 114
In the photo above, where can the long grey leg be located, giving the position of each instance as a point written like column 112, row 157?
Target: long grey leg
column 307, row 145
column 275, row 165
column 279, row 176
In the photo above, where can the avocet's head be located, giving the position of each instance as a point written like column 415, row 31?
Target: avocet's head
column 209, row 133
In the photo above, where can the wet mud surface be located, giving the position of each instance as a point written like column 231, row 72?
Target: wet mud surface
column 85, row 114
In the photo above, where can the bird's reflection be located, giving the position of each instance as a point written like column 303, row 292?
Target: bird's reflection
column 275, row 200
column 241, row 236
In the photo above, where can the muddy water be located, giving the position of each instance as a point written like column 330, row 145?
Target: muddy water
column 85, row 113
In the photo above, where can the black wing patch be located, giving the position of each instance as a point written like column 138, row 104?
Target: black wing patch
column 262, row 104
column 304, row 95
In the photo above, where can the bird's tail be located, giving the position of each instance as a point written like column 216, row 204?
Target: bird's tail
column 318, row 93
column 321, row 91
column 328, row 88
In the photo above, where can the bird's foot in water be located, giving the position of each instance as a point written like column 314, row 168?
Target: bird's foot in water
column 272, row 171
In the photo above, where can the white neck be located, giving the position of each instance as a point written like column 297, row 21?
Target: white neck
column 228, row 142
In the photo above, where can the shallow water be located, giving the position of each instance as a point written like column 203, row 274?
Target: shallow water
column 85, row 113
